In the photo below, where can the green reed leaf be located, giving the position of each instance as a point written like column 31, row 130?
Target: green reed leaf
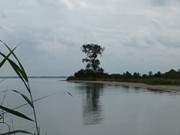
column 6, row 57
column 16, row 131
column 13, row 65
column 18, row 72
column 16, row 113
column 25, row 98
column 22, row 68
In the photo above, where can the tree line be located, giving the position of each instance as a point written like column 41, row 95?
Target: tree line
column 93, row 71
column 171, row 74
column 88, row 73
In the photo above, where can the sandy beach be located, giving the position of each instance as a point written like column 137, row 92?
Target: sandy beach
column 167, row 88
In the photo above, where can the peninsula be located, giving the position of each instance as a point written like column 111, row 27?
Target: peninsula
column 169, row 80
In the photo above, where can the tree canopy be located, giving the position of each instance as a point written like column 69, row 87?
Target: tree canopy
column 92, row 52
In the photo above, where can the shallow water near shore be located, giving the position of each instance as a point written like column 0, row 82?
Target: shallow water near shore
column 67, row 108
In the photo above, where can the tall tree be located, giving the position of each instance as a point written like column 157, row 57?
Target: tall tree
column 92, row 51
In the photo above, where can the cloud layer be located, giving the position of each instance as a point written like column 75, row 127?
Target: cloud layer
column 138, row 35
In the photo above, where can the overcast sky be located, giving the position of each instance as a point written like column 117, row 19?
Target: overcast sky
column 138, row 35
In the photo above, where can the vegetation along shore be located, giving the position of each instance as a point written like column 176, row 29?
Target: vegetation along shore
column 93, row 72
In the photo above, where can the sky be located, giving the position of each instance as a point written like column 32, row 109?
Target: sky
column 138, row 36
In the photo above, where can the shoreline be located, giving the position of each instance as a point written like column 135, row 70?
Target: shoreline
column 166, row 88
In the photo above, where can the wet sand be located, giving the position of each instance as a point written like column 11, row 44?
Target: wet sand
column 168, row 88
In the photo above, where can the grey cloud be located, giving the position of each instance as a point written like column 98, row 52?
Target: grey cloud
column 160, row 2
column 164, row 2
column 52, row 31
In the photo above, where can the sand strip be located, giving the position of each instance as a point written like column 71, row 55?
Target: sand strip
column 169, row 88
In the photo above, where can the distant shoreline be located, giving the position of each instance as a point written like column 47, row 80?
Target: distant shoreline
column 33, row 77
column 167, row 88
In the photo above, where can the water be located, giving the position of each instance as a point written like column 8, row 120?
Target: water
column 86, row 109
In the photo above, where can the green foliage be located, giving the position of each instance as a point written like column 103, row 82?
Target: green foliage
column 16, row 131
column 20, row 71
column 25, row 97
column 5, row 57
column 95, row 73
column 87, row 74
column 16, row 113
column 92, row 51
column 171, row 77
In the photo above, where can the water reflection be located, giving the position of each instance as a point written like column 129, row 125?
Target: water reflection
column 92, row 107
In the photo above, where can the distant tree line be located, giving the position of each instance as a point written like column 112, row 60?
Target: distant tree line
column 94, row 72
column 172, row 74
column 88, row 73
column 171, row 77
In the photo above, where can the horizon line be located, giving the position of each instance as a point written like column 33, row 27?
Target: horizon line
column 35, row 76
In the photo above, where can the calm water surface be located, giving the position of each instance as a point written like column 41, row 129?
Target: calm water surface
column 96, row 109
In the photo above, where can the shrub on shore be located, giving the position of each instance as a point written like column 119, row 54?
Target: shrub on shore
column 171, row 77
